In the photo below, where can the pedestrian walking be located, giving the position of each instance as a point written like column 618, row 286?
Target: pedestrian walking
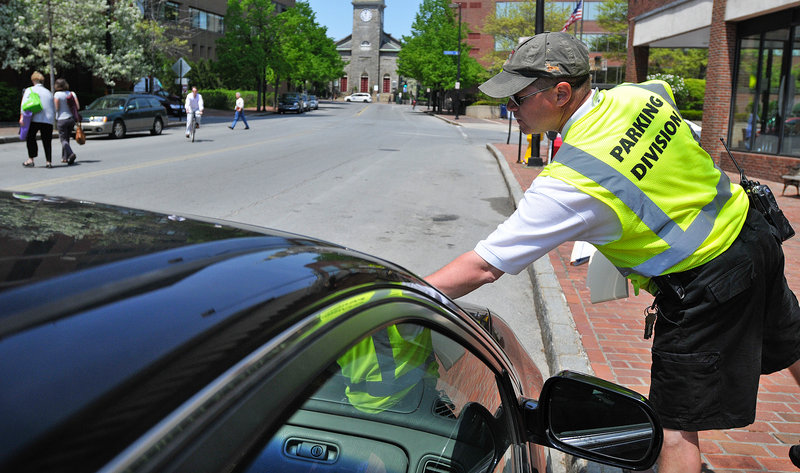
column 38, row 101
column 239, row 113
column 65, row 120
column 631, row 179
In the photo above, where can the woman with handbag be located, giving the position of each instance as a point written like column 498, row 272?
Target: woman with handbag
column 38, row 101
column 66, row 105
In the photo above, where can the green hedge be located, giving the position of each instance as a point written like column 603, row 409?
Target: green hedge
column 10, row 97
column 694, row 115
column 225, row 99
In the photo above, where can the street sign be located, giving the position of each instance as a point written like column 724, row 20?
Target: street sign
column 451, row 53
column 181, row 67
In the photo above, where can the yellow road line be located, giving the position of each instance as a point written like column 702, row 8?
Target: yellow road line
column 133, row 167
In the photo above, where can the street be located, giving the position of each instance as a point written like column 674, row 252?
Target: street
column 378, row 178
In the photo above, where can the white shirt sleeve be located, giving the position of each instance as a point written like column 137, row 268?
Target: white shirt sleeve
column 200, row 102
column 550, row 213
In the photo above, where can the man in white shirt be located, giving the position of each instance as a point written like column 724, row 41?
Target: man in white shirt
column 725, row 312
column 194, row 103
column 239, row 113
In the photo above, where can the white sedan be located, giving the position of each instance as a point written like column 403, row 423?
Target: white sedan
column 359, row 97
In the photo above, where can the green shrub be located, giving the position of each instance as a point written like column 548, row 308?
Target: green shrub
column 10, row 98
column 486, row 102
column 694, row 115
column 225, row 99
column 677, row 84
column 697, row 93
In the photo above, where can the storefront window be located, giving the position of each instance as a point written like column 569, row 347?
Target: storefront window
column 766, row 100
column 791, row 129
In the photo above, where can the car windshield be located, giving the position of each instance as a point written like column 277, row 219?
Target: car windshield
column 106, row 103
column 289, row 97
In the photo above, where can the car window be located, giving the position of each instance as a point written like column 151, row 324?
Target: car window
column 106, row 103
column 142, row 103
column 131, row 105
column 406, row 398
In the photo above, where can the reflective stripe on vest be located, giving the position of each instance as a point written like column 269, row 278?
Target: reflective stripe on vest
column 390, row 384
column 682, row 242
column 670, row 245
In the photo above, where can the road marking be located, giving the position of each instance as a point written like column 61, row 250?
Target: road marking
column 134, row 167
column 361, row 111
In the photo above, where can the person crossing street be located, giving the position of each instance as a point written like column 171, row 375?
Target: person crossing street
column 239, row 113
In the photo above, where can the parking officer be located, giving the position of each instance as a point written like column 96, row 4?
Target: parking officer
column 631, row 179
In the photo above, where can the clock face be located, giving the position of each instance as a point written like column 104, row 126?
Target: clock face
column 366, row 15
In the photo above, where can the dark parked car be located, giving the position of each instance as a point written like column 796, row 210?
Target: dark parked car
column 119, row 114
column 171, row 103
column 291, row 102
column 139, row 341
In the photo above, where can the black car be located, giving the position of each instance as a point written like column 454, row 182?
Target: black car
column 291, row 102
column 171, row 103
column 139, row 341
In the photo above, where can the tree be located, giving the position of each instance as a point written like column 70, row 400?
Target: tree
column 259, row 46
column 98, row 36
column 316, row 59
column 518, row 20
column 163, row 35
column 613, row 17
column 435, row 30
column 688, row 63
column 244, row 51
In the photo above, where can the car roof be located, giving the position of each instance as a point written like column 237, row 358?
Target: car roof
column 85, row 285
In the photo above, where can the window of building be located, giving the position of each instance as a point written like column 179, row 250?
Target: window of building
column 206, row 21
column 343, row 84
column 171, row 12
column 364, row 84
column 765, row 114
column 365, row 45
column 387, row 84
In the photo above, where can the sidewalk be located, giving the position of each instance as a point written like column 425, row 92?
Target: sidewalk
column 610, row 334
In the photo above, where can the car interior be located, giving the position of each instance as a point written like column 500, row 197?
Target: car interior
column 451, row 419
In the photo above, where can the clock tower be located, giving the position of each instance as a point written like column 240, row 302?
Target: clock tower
column 370, row 52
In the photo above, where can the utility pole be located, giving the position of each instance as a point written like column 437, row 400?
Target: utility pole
column 458, row 61
column 536, row 159
column 50, row 44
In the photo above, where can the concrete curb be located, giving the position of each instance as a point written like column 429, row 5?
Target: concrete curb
column 562, row 343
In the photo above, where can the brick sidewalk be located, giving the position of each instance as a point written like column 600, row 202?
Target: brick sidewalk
column 612, row 337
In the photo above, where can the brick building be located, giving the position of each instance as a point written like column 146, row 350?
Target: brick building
column 753, row 77
column 205, row 19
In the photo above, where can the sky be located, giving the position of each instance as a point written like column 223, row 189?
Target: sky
column 337, row 16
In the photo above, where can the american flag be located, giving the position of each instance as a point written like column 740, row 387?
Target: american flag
column 577, row 14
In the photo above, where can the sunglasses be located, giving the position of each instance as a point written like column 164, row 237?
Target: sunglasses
column 518, row 100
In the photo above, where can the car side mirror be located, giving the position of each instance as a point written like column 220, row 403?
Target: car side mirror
column 595, row 419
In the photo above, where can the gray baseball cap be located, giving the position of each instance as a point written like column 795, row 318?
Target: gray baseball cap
column 555, row 54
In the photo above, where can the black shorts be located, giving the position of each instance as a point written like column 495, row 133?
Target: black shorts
column 737, row 320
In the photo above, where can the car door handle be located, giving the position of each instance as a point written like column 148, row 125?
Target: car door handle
column 311, row 450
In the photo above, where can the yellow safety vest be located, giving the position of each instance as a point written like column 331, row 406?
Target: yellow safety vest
column 383, row 368
column 634, row 152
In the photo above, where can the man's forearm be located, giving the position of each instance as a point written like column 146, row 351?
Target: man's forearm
column 463, row 275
